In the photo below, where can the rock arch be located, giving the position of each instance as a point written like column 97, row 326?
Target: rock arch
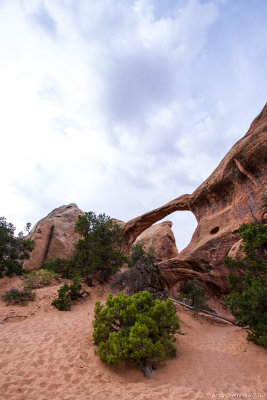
column 231, row 195
column 136, row 226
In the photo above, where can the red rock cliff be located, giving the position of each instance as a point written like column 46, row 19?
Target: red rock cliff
column 230, row 196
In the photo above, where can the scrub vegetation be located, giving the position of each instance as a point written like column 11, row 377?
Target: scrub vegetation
column 135, row 329
column 13, row 250
column 248, row 298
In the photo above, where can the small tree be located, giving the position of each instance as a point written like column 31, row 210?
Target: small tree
column 13, row 250
column 143, row 274
column 248, row 298
column 100, row 250
column 138, row 253
column 68, row 293
column 195, row 293
column 137, row 329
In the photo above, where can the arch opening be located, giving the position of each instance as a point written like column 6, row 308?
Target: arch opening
column 184, row 225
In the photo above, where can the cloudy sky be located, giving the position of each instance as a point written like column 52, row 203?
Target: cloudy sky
column 122, row 105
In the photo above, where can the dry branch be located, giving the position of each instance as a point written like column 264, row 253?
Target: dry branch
column 15, row 316
column 206, row 312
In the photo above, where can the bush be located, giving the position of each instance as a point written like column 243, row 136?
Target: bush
column 61, row 266
column 143, row 274
column 137, row 329
column 13, row 250
column 195, row 293
column 68, row 293
column 138, row 253
column 63, row 303
column 17, row 296
column 39, row 278
column 100, row 250
column 98, row 253
column 247, row 300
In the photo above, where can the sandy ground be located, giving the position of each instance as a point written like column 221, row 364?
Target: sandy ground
column 51, row 355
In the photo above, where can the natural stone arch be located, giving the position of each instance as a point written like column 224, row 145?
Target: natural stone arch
column 136, row 226
column 231, row 195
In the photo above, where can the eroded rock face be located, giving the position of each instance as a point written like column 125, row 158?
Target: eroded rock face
column 54, row 235
column 230, row 196
column 161, row 238
column 236, row 252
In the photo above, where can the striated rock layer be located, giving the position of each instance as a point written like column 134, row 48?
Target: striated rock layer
column 230, row 196
column 54, row 235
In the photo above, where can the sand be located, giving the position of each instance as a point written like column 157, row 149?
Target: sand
column 51, row 355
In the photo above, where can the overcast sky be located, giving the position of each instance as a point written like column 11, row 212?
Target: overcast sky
column 120, row 105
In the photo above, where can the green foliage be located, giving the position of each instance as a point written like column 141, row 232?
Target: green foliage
column 138, row 254
column 61, row 266
column 195, row 293
column 68, row 293
column 100, row 249
column 63, row 303
column 254, row 238
column 17, row 296
column 248, row 298
column 13, row 250
column 75, row 288
column 98, row 253
column 27, row 227
column 38, row 278
column 136, row 329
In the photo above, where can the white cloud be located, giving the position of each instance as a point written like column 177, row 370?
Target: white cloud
column 120, row 106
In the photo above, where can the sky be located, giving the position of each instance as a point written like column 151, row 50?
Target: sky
column 120, row 106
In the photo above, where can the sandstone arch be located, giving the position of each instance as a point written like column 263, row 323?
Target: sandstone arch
column 231, row 195
column 136, row 226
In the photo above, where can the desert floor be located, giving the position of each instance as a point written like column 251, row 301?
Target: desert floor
column 51, row 355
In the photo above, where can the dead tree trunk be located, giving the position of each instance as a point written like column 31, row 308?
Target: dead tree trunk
column 206, row 312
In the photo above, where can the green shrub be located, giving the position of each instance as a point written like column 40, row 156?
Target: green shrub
column 137, row 329
column 38, row 278
column 13, row 250
column 61, row 266
column 195, row 293
column 63, row 303
column 17, row 296
column 138, row 253
column 247, row 300
column 100, row 250
column 68, row 293
column 98, row 253
column 75, row 288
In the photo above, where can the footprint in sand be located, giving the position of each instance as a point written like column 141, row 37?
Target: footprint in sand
column 67, row 376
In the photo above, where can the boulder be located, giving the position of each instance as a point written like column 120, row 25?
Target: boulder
column 231, row 195
column 54, row 235
column 160, row 237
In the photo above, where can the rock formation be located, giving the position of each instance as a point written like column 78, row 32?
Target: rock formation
column 236, row 252
column 230, row 196
column 54, row 235
column 161, row 238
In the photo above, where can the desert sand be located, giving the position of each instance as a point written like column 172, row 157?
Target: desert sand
column 51, row 355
